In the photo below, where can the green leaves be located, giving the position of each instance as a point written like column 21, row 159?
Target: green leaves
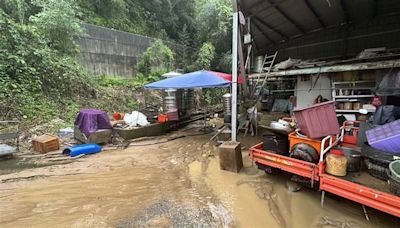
column 58, row 23
column 157, row 57
column 205, row 56
column 33, row 76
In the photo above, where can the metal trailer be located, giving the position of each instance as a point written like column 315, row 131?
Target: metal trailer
column 362, row 194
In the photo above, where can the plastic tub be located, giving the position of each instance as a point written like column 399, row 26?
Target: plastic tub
column 394, row 177
column 296, row 139
column 318, row 121
column 385, row 137
column 277, row 144
column 82, row 149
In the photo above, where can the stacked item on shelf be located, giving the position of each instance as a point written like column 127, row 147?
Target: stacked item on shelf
column 355, row 92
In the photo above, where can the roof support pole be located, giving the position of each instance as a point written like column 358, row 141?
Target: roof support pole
column 235, row 25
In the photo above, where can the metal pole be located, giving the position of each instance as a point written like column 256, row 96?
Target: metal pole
column 234, row 73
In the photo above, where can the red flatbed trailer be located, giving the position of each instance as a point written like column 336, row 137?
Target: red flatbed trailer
column 356, row 192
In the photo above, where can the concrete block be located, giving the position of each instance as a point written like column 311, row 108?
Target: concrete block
column 230, row 156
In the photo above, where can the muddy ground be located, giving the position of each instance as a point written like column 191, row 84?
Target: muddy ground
column 172, row 184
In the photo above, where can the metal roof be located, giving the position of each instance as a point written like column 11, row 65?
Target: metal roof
column 281, row 24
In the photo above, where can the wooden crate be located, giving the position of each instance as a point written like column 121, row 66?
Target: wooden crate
column 46, row 143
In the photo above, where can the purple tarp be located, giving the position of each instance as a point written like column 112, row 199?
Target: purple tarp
column 90, row 120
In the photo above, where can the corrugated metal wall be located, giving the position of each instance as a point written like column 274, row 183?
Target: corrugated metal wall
column 341, row 42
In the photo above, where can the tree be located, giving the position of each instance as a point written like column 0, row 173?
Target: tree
column 157, row 57
column 205, row 56
column 214, row 25
column 16, row 9
column 58, row 22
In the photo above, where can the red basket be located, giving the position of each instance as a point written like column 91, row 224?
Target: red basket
column 318, row 121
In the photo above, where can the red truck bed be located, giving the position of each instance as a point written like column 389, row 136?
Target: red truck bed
column 362, row 194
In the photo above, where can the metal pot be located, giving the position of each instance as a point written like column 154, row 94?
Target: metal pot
column 353, row 159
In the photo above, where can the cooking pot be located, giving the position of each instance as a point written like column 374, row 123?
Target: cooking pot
column 353, row 159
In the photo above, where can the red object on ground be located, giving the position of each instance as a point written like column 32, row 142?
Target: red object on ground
column 386, row 202
column 162, row 118
column 352, row 137
column 173, row 115
column 227, row 77
column 318, row 120
column 118, row 116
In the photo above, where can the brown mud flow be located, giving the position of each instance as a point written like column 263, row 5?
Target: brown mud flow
column 176, row 184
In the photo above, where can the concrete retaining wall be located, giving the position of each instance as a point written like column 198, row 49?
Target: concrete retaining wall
column 112, row 52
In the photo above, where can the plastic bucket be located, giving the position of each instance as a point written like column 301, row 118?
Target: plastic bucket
column 394, row 168
column 394, row 177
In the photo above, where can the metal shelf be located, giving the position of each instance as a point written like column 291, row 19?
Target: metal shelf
column 353, row 88
column 354, row 96
column 283, row 90
column 350, row 111
column 351, row 82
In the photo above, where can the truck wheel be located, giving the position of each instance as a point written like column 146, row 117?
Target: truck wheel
column 304, row 152
column 267, row 169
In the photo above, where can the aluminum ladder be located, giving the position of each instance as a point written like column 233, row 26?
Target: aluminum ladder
column 267, row 65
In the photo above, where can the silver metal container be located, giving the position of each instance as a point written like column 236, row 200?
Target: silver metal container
column 170, row 92
column 170, row 104
column 188, row 101
column 258, row 64
column 227, row 98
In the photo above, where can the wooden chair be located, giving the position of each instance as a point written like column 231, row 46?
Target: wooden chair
column 5, row 149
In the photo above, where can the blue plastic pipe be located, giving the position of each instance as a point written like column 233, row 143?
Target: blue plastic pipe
column 82, row 149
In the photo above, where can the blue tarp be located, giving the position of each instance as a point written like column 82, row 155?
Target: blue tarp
column 197, row 79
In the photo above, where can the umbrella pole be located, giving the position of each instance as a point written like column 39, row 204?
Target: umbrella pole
column 234, row 73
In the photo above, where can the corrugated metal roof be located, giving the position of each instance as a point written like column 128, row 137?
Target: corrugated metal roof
column 274, row 22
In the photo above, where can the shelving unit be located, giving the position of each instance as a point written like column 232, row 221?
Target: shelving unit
column 357, row 91
column 350, row 111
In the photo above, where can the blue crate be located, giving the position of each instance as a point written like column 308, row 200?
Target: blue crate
column 385, row 137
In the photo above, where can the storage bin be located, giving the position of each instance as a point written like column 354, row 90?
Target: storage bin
column 385, row 137
column 296, row 139
column 318, row 121
column 45, row 143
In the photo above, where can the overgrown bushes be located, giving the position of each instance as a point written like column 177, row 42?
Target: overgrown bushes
column 32, row 75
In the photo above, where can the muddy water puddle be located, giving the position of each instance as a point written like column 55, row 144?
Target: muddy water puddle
column 258, row 200
column 95, row 200
column 176, row 184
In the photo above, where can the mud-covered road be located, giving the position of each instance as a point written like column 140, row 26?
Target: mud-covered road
column 173, row 184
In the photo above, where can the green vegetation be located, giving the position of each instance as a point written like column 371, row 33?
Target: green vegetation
column 58, row 22
column 205, row 56
column 157, row 57
column 40, row 79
